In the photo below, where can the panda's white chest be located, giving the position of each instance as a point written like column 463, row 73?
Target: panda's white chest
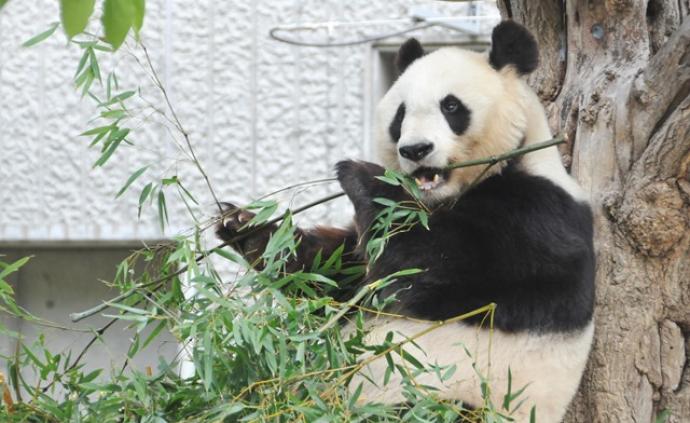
column 550, row 365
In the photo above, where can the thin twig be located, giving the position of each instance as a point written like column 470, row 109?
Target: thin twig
column 87, row 347
column 350, row 304
column 179, row 126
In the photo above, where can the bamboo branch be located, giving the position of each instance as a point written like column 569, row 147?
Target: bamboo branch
column 351, row 303
column 178, row 125
column 488, row 160
column 75, row 317
column 509, row 155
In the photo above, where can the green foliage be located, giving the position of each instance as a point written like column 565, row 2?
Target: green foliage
column 396, row 217
column 259, row 355
column 42, row 36
column 119, row 16
column 75, row 15
column 7, row 302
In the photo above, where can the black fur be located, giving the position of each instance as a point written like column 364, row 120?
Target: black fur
column 409, row 51
column 512, row 44
column 396, row 124
column 458, row 117
column 515, row 239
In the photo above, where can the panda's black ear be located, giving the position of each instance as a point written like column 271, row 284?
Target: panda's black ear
column 513, row 44
column 410, row 51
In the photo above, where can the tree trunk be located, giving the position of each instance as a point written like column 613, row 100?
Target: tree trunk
column 615, row 77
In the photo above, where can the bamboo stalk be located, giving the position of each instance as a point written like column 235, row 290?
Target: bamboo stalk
column 509, row 155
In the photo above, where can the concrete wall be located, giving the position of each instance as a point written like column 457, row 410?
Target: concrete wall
column 262, row 114
column 57, row 281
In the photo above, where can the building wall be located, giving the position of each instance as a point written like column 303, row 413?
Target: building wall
column 261, row 114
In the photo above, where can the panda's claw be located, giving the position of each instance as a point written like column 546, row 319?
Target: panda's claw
column 232, row 221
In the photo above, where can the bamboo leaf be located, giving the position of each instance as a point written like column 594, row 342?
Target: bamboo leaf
column 75, row 15
column 99, row 130
column 138, row 15
column 12, row 267
column 42, row 36
column 117, row 19
column 143, row 196
column 154, row 333
column 117, row 98
column 131, row 179
column 109, row 150
column 162, row 209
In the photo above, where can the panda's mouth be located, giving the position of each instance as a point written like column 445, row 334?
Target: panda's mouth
column 430, row 178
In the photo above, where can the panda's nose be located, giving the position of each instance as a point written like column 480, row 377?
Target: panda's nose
column 416, row 152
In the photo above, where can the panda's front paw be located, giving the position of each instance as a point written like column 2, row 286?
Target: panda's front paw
column 231, row 222
column 358, row 178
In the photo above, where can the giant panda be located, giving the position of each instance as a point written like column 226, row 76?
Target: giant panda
column 518, row 235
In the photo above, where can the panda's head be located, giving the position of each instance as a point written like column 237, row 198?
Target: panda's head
column 455, row 105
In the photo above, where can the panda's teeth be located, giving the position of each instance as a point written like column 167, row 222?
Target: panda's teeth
column 429, row 181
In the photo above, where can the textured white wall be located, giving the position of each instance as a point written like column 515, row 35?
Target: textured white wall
column 261, row 114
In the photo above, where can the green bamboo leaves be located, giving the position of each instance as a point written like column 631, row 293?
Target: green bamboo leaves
column 119, row 16
column 75, row 15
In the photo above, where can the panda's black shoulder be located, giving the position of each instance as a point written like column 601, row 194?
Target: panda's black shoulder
column 515, row 239
column 517, row 193
column 532, row 211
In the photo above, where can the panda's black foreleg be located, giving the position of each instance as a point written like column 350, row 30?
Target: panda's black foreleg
column 320, row 240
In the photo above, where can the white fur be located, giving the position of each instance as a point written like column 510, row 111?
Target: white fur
column 504, row 112
column 545, row 162
column 550, row 365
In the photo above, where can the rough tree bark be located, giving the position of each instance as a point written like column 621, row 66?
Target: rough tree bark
column 615, row 77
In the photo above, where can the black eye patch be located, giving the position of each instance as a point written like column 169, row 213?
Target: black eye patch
column 456, row 113
column 396, row 125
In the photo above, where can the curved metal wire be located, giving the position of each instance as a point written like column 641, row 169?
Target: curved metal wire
column 273, row 33
column 418, row 23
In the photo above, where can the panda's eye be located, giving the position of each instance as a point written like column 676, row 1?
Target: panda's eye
column 450, row 105
column 456, row 113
